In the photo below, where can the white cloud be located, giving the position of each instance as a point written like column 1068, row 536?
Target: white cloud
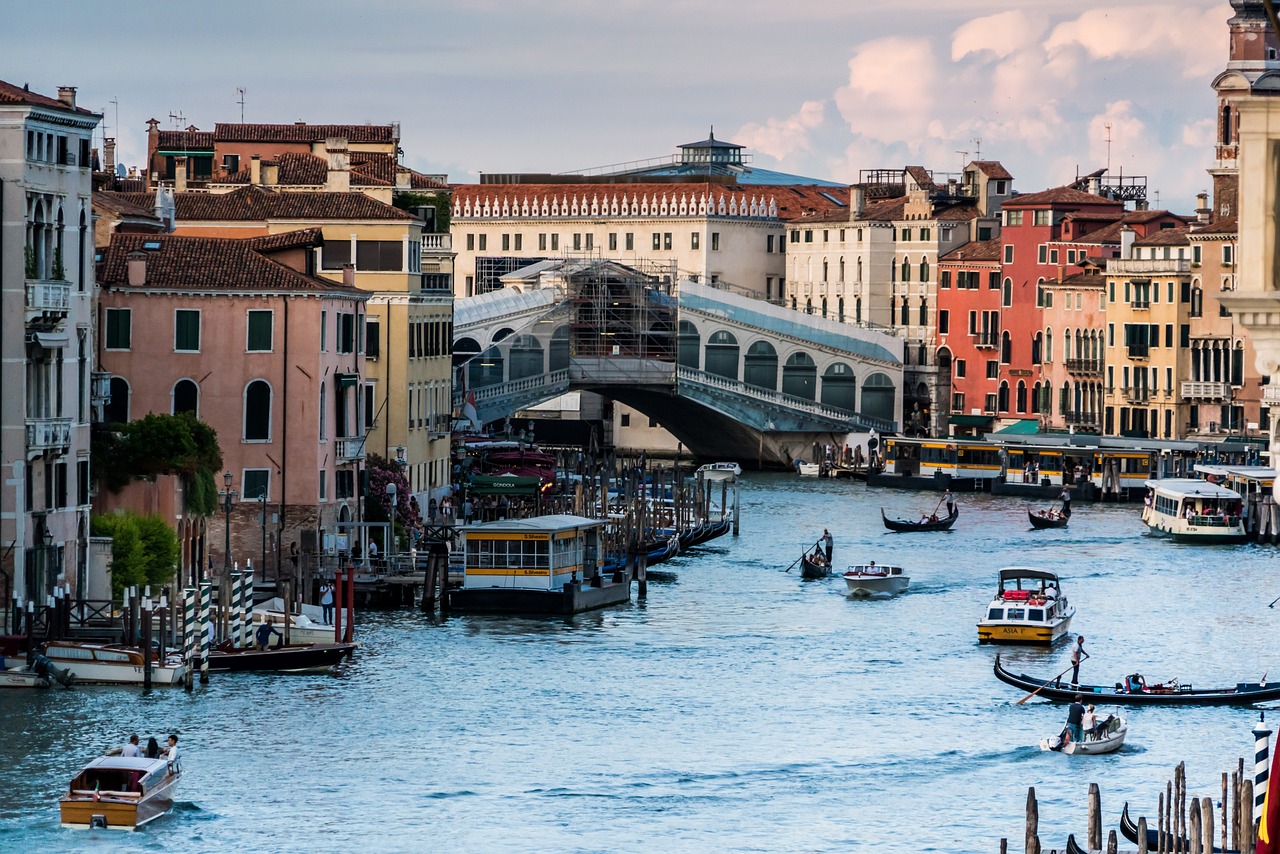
column 999, row 35
column 1146, row 30
column 779, row 138
column 1200, row 134
column 891, row 90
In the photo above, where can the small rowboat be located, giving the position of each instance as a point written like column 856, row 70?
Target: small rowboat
column 813, row 569
column 1107, row 737
column 1037, row 521
column 1243, row 694
column 872, row 580
column 904, row 525
column 119, row 793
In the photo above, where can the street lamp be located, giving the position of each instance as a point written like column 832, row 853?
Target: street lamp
column 227, row 494
column 262, row 499
column 391, row 530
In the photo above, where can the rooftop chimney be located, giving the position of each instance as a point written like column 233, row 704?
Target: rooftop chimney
column 339, row 177
column 1127, row 236
column 67, row 95
column 270, row 173
column 255, row 169
column 136, row 269
column 857, row 201
column 1095, row 185
column 1204, row 213
column 180, row 174
column 349, row 275
column 109, row 155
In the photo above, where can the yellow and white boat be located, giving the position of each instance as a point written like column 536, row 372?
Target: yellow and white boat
column 1029, row 608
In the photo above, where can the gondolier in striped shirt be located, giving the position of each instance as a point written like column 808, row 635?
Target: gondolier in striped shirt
column 1077, row 655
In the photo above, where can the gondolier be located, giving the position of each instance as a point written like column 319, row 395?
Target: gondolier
column 1077, row 655
column 1065, row 498
column 827, row 544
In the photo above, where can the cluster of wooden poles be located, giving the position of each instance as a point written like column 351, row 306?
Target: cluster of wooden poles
column 1180, row 828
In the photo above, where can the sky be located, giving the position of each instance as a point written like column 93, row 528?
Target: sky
column 822, row 88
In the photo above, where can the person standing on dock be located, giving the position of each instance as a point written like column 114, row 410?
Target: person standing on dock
column 326, row 602
column 828, row 544
column 1077, row 655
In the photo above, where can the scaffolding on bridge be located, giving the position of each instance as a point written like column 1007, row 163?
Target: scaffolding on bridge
column 620, row 311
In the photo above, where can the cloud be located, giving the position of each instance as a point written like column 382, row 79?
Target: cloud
column 1200, row 134
column 1146, row 30
column 891, row 91
column 999, row 35
column 779, row 138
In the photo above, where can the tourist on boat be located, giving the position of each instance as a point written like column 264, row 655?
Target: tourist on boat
column 1075, row 715
column 1089, row 722
column 373, row 550
column 171, row 755
column 153, row 749
column 326, row 601
column 131, row 749
column 1135, row 684
column 1077, row 655
column 265, row 630
column 1191, row 512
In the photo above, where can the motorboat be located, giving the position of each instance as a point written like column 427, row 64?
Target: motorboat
column 865, row 581
column 1190, row 510
column 119, row 793
column 306, row 627
column 41, row 674
column 1173, row 693
column 809, row 469
column 113, row 664
column 725, row 469
column 295, row 658
column 1107, row 736
column 1029, row 608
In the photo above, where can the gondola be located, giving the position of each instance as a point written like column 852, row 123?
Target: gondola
column 1243, row 694
column 284, row 659
column 902, row 525
column 809, row 569
column 1129, row 831
column 1058, row 521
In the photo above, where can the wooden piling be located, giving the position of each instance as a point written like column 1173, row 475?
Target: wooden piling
column 146, row 646
column 1142, row 835
column 1160, row 814
column 1206, row 823
column 1095, row 817
column 1033, row 823
column 1246, row 816
column 1113, row 844
column 1194, row 835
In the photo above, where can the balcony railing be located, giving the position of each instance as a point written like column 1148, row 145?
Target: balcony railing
column 48, row 434
column 99, row 387
column 351, row 450
column 1140, row 303
column 1136, row 394
column 440, row 424
column 1271, row 394
column 1080, row 418
column 1084, row 366
column 986, row 339
column 47, row 300
column 437, row 242
column 1206, row 391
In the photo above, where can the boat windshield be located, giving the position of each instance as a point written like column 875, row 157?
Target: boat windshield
column 1016, row 614
column 995, row 614
column 1036, row 615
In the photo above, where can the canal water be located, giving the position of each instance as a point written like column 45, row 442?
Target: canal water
column 737, row 709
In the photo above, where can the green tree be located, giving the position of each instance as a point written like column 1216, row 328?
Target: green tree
column 160, row 550
column 439, row 201
column 157, row 444
column 144, row 549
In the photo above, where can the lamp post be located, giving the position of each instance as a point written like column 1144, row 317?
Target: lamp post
column 391, row 526
column 227, row 494
column 262, row 500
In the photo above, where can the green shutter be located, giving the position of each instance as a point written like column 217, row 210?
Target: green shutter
column 186, row 330
column 260, row 331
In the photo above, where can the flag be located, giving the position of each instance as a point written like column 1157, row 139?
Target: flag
column 469, row 410
column 1269, row 824
column 96, row 787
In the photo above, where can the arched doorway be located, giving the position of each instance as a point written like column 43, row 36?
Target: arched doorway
column 878, row 395
column 117, row 408
column 525, row 356
column 761, row 366
column 800, row 376
column 839, row 387
column 722, row 355
column 690, row 345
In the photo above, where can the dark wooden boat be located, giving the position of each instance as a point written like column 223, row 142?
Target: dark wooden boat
column 284, row 659
column 119, row 793
column 809, row 569
column 1129, row 831
column 703, row 533
column 1046, row 522
column 1243, row 694
column 903, row 525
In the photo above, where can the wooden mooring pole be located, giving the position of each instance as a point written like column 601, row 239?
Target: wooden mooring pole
column 1095, row 817
column 1032, row 837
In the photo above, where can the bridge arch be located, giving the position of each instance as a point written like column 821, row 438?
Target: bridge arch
column 487, row 368
column 800, row 376
column 689, row 342
column 840, row 387
column 878, row 394
column 504, row 332
column 760, row 366
column 722, row 355
column 526, row 357
column 464, row 349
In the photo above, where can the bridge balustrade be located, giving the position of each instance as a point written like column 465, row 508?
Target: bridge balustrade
column 778, row 398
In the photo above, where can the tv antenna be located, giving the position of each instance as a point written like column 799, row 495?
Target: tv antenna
column 1108, row 127
column 964, row 159
column 177, row 118
column 240, row 91
column 977, row 144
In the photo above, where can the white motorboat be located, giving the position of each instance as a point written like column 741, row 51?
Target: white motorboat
column 1106, row 737
column 865, row 581
column 21, row 677
column 304, row 628
column 809, row 469
column 113, row 664
column 1029, row 608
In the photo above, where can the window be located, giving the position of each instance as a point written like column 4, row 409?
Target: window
column 613, row 241
column 383, row 255
column 624, row 419
column 186, row 330
column 693, row 240
column 542, row 242
column 1042, row 253
column 255, row 485
column 372, row 338
column 808, row 235
column 346, row 332
column 1195, row 253
column 944, row 280
column 324, row 331
column 944, row 320
column 324, row 485
column 666, row 240
column 715, row 241
column 259, row 331
column 506, row 243
column 484, row 242
column 1006, row 294
column 118, row 331
column 555, row 244
column 631, row 241
column 795, row 236
column 1044, row 217
column 1226, row 253
column 1013, row 218
column 1008, row 253
column 961, row 367
column 186, row 397
column 993, row 369
column 1053, row 256
column 768, row 243
column 657, row 240
column 257, row 412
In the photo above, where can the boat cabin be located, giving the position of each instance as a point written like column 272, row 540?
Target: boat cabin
column 875, row 571
column 1198, row 502
column 119, row 777
column 1028, row 607
column 540, row 553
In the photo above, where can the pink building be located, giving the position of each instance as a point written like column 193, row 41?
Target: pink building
column 241, row 333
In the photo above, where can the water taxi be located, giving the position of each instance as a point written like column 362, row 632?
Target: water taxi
column 119, row 793
column 306, row 627
column 1194, row 511
column 113, row 664
column 866, row 581
column 1029, row 608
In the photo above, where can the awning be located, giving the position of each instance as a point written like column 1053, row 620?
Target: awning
column 50, row 340
column 1020, row 428
column 485, row 485
column 970, row 420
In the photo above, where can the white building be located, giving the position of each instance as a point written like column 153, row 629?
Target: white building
column 46, row 342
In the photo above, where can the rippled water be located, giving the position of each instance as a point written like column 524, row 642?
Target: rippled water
column 738, row 709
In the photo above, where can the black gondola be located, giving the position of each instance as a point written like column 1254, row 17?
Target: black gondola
column 316, row 656
column 903, row 525
column 1129, row 831
column 1046, row 521
column 1244, row 694
column 809, row 569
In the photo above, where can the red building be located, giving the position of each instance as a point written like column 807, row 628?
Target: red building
column 969, row 332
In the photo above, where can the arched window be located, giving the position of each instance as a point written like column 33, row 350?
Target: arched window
column 842, row 268
column 924, row 269
column 1022, row 396
column 1048, row 345
column 487, row 368
column 1036, row 343
column 1006, row 348
column 1002, row 398
column 878, row 397
column 1006, row 293
column 525, row 357
column 840, row 306
column 859, row 269
column 1035, row 398
column 504, row 332
column 559, row 360
column 324, row 412
column 1064, row 401
column 1226, row 125
column 800, row 376
column 906, row 316
column 690, row 343
column 1197, row 302
column 760, row 366
column 186, row 397
column 722, row 355
column 906, row 270
column 117, row 408
column 924, row 311
column 857, row 310
column 824, row 308
column 257, row 412
column 793, row 302
column 808, row 305
column 824, row 269
column 839, row 387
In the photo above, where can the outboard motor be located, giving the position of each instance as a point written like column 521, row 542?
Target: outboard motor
column 50, row 671
column 98, row 820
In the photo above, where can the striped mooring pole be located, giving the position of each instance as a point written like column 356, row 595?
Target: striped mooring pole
column 233, row 605
column 189, row 631
column 1261, row 769
column 206, row 622
column 246, row 607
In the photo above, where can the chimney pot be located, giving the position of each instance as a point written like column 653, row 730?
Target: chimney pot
column 1127, row 236
column 270, row 173
column 349, row 275
column 136, row 269
column 109, row 155
column 255, row 169
column 180, row 174
column 67, row 95
column 858, row 200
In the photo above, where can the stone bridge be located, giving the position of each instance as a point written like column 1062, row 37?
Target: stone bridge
column 732, row 377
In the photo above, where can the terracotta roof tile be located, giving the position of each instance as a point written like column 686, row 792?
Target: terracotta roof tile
column 303, row 237
column 257, row 203
column 123, row 204
column 1110, row 234
column 186, row 140
column 992, row 169
column 301, row 132
column 921, row 176
column 1059, row 196
column 984, row 250
column 1165, row 237
column 206, row 264
column 10, row 94
column 1221, row 227
column 1091, row 278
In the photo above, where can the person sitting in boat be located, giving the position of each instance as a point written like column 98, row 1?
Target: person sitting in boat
column 933, row 517
column 265, row 630
column 1089, row 723
column 132, row 748
column 1135, row 684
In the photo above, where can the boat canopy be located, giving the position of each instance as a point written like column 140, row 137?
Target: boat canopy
column 1016, row 572
column 127, row 763
column 1193, row 487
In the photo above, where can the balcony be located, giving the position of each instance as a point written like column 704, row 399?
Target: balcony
column 440, row 425
column 986, row 340
column 48, row 434
column 1206, row 391
column 350, row 450
column 1136, row 394
column 1271, row 395
column 1081, row 419
column 1084, row 366
column 437, row 243
column 1140, row 303
column 48, row 301
column 100, row 388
